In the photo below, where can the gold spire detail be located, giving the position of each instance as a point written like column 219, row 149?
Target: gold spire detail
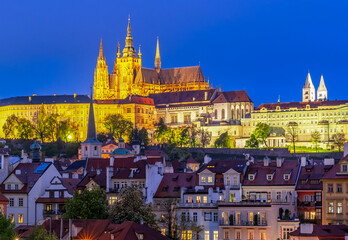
column 101, row 50
column 158, row 57
column 129, row 50
column 139, row 52
column 118, row 49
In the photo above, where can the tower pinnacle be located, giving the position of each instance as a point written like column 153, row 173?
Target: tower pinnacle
column 158, row 57
column 101, row 50
column 129, row 50
column 322, row 90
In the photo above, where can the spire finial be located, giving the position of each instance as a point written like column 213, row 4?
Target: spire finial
column 139, row 53
column 101, row 50
column 129, row 50
column 158, row 57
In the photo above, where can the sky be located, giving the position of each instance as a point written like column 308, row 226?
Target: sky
column 264, row 47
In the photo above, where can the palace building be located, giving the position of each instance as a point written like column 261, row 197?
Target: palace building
column 128, row 77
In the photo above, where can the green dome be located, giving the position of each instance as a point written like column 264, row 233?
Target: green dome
column 121, row 151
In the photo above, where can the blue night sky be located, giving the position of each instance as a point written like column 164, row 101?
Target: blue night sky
column 265, row 47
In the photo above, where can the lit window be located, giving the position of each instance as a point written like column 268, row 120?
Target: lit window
column 112, row 200
column 189, row 235
column 216, row 234
column 263, row 236
column 251, row 235
column 189, row 199
column 20, row 218
column 210, row 179
column 198, row 199
column 339, row 208
column 183, row 235
column 205, row 199
column 163, row 231
column 331, row 207
column 312, row 216
column 206, row 235
column 203, row 179
column 11, row 217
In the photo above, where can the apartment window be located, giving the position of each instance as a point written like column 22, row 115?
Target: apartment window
column 16, row 186
column 189, row 235
column 61, row 194
column 339, row 188
column 202, row 179
column 129, row 110
column 306, row 215
column 306, row 198
column 189, row 199
column 163, row 231
column 232, row 197
column 318, row 213
column 251, row 218
column 279, row 195
column 331, row 207
column 250, row 235
column 20, row 218
column 286, row 233
column 318, row 196
column 11, row 202
column 286, row 177
column 339, row 208
column 216, row 235
column 20, row 202
column 344, row 167
column 238, row 235
column 268, row 196
column 174, row 118
column 205, row 199
column 195, row 217
column 223, row 114
column 183, row 235
column 226, row 235
column 263, row 236
column 312, row 215
column 187, row 118
column 238, row 218
column 330, row 188
column 216, row 217
column 198, row 199
column 206, row 235
column 11, row 217
column 235, row 181
column 112, row 200
column 210, row 179
column 207, row 216
column 51, row 194
column 8, row 186
column 251, row 177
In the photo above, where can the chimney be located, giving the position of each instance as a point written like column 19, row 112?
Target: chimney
column 329, row 161
column 205, row 95
column 280, row 162
column 266, row 161
column 306, row 228
column 345, row 149
column 303, row 161
column 99, row 171
column 112, row 160
column 109, row 173
column 207, row 159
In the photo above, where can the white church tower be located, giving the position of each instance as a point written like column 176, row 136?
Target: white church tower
column 308, row 90
column 322, row 91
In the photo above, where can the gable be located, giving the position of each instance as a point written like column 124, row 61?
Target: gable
column 56, row 181
column 12, row 179
column 206, row 171
column 231, row 171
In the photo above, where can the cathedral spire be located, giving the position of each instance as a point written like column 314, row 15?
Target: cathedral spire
column 308, row 90
column 91, row 132
column 158, row 57
column 101, row 50
column 322, row 90
column 129, row 50
column 118, row 49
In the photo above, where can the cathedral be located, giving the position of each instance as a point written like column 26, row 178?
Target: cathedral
column 128, row 77
column 308, row 90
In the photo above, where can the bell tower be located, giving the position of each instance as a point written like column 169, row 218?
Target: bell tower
column 308, row 90
column 101, row 76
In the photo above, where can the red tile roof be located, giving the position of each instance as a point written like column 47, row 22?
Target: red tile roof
column 3, row 198
column 301, row 105
column 232, row 96
column 288, row 166
column 70, row 184
column 191, row 160
column 222, row 166
column 324, row 232
column 171, row 184
column 309, row 173
column 332, row 173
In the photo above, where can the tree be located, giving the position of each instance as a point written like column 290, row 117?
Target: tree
column 25, row 129
column 117, row 126
column 90, row 204
column 132, row 207
column 183, row 137
column 162, row 132
column 224, row 141
column 261, row 133
column 315, row 138
column 252, row 142
column 292, row 134
column 338, row 140
column 169, row 219
column 205, row 137
column 10, row 126
column 102, row 137
column 193, row 135
column 178, row 154
column 52, row 122
column 143, row 136
column 41, row 126
column 40, row 233
column 6, row 228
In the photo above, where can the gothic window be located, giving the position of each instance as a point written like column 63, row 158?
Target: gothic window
column 223, row 114
column 215, row 114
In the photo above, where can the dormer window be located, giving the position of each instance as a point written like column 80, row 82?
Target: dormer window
column 251, row 177
column 210, row 179
column 286, row 177
column 269, row 177
column 344, row 168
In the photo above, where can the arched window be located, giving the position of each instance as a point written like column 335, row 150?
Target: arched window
column 215, row 114
column 223, row 114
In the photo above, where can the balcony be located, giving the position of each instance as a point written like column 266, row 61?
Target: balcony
column 260, row 223
column 308, row 204
column 245, row 204
column 49, row 212
column 197, row 205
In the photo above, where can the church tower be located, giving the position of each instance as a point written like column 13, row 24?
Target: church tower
column 157, row 58
column 91, row 147
column 308, row 90
column 101, row 76
column 322, row 91
column 125, row 69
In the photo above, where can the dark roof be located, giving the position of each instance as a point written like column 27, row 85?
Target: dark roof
column 232, row 96
column 301, row 105
column 75, row 165
column 222, row 166
column 3, row 198
column 170, row 76
column 191, row 160
column 5, row 151
column 134, row 99
column 91, row 131
column 172, row 183
column 29, row 174
column 314, row 171
column 123, row 168
column 258, row 168
column 332, row 173
column 70, row 184
column 130, row 230
column 325, row 231
column 183, row 97
column 37, row 100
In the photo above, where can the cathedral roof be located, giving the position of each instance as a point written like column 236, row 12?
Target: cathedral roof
column 232, row 96
column 322, row 86
column 37, row 100
column 171, row 76
column 301, row 105
column 308, row 83
column 128, row 100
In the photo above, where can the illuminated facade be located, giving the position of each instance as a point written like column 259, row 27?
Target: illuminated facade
column 128, row 77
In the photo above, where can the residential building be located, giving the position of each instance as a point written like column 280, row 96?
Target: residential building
column 3, row 204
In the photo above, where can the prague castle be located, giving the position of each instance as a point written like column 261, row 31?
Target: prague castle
column 182, row 97
column 128, row 77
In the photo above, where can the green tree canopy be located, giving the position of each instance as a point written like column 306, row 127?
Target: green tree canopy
column 90, row 204
column 162, row 132
column 315, row 138
column 132, row 207
column 261, row 133
column 178, row 154
column 10, row 126
column 6, row 228
column 143, row 136
column 252, row 142
column 40, row 233
column 338, row 140
column 117, row 126
column 292, row 134
column 224, row 141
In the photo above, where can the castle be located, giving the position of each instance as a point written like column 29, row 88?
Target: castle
column 130, row 78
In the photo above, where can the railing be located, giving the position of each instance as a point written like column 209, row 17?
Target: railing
column 243, row 223
column 49, row 212
column 246, row 203
column 197, row 205
column 115, row 190
column 308, row 204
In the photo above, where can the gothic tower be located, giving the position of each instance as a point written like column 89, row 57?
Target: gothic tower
column 158, row 58
column 101, row 76
column 308, row 90
column 322, row 91
column 125, row 69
